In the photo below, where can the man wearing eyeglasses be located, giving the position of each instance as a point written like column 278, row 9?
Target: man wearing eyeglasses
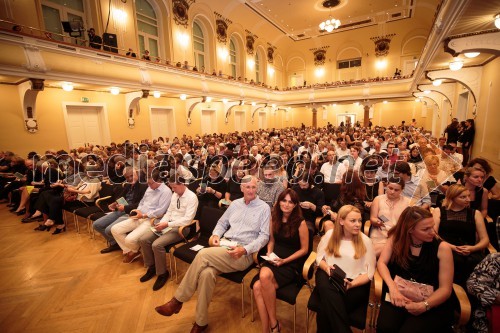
column 133, row 191
column 180, row 213
column 245, row 222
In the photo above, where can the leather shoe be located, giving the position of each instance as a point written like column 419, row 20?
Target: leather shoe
column 131, row 256
column 171, row 307
column 149, row 274
column 160, row 281
column 21, row 212
column 198, row 329
column 32, row 219
column 111, row 248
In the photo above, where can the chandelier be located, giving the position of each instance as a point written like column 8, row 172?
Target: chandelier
column 330, row 24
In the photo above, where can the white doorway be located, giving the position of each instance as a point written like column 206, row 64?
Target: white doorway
column 463, row 102
column 262, row 120
column 344, row 118
column 208, row 121
column 162, row 122
column 239, row 121
column 86, row 124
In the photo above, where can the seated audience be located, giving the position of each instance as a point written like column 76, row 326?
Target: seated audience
column 414, row 189
column 132, row 192
column 289, row 241
column 212, row 188
column 473, row 181
column 345, row 247
column 180, row 212
column 153, row 204
column 311, row 199
column 458, row 224
column 246, row 222
column 413, row 253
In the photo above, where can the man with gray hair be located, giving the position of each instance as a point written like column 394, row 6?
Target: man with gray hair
column 246, row 224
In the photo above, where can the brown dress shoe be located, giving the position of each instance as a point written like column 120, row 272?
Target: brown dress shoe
column 198, row 329
column 171, row 307
column 131, row 256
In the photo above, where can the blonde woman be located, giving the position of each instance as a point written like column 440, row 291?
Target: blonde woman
column 344, row 247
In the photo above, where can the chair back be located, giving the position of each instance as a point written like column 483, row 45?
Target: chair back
column 331, row 192
column 208, row 220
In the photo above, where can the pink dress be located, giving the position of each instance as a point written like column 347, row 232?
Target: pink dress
column 391, row 210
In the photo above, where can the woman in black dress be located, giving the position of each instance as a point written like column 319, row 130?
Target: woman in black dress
column 289, row 240
column 458, row 225
column 412, row 252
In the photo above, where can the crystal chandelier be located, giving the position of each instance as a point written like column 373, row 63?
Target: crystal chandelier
column 330, row 24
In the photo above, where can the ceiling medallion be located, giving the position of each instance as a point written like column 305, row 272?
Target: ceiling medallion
column 330, row 24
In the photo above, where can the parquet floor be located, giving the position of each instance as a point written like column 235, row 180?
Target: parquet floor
column 61, row 283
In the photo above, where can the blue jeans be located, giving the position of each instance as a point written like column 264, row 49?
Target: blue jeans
column 103, row 225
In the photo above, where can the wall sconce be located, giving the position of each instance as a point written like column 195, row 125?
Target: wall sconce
column 67, row 86
column 437, row 83
column 183, row 97
column 254, row 104
column 183, row 39
column 270, row 70
column 224, row 100
column 250, row 63
column 385, row 102
column 471, row 54
column 208, row 99
column 320, row 71
column 223, row 53
column 427, row 91
column 497, row 21
column 156, row 94
column 114, row 90
column 456, row 65
column 381, row 64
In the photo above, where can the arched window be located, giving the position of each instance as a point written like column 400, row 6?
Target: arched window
column 198, row 45
column 233, row 58
column 257, row 68
column 57, row 11
column 147, row 28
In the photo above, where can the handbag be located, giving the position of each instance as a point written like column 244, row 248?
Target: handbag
column 337, row 276
column 414, row 291
column 69, row 196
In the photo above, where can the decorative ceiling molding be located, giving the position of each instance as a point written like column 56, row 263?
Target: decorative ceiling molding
column 221, row 25
column 319, row 55
column 483, row 41
column 468, row 76
column 250, row 40
column 435, row 97
column 446, row 89
column 180, row 10
column 382, row 44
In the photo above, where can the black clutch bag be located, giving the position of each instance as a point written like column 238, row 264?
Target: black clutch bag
column 337, row 276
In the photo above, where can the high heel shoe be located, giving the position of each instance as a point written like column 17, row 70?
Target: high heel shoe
column 59, row 230
column 276, row 328
column 21, row 212
column 41, row 227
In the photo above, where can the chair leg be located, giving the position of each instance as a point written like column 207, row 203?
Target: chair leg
column 307, row 320
column 242, row 300
column 175, row 267
column 77, row 226
column 251, row 305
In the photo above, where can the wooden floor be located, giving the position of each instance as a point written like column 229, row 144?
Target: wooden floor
column 61, row 283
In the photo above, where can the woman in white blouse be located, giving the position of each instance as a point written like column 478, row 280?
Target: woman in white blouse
column 349, row 249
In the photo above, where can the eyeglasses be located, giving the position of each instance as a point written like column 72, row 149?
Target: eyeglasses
column 178, row 203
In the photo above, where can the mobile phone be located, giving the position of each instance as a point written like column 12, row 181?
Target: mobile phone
column 383, row 218
column 203, row 187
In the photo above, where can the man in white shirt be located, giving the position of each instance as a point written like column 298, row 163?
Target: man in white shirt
column 180, row 213
column 331, row 170
column 154, row 203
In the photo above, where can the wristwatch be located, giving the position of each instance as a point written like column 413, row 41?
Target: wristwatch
column 427, row 306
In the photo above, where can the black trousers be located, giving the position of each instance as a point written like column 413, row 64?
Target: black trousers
column 333, row 314
column 50, row 202
column 394, row 319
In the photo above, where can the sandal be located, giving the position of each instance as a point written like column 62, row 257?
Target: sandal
column 276, row 328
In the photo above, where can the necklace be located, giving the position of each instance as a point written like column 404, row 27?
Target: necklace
column 417, row 246
column 370, row 197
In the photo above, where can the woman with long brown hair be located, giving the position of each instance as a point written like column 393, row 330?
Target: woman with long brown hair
column 289, row 241
column 413, row 253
